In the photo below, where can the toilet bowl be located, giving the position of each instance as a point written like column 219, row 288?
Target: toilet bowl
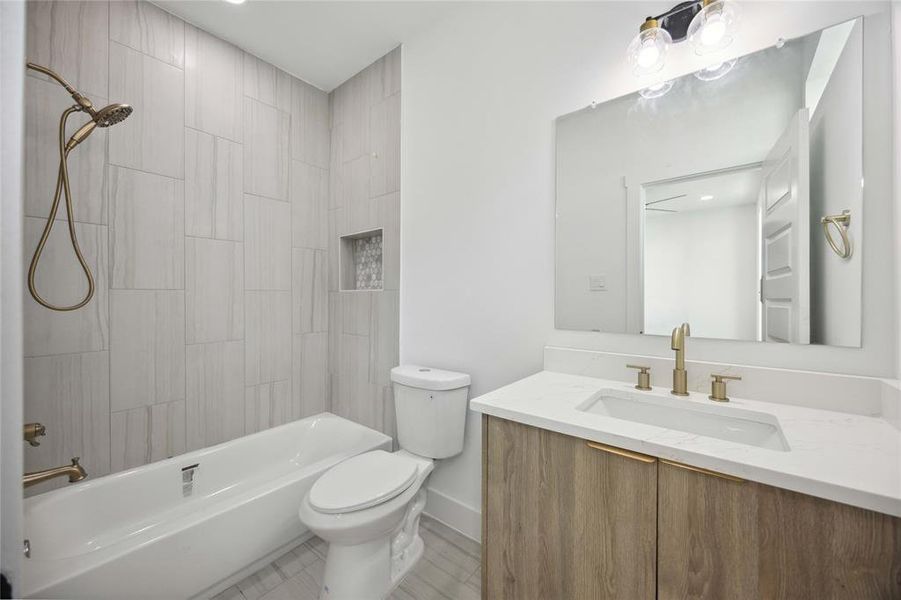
column 368, row 507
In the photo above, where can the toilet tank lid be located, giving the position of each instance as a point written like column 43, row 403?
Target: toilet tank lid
column 427, row 378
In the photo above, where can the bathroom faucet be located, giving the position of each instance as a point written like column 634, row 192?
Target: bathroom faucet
column 75, row 472
column 680, row 376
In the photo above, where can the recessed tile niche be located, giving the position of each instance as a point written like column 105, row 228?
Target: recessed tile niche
column 361, row 261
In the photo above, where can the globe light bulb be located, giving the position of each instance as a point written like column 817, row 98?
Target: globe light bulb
column 714, row 27
column 647, row 51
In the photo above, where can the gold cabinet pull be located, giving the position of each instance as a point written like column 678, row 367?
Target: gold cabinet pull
column 702, row 471
column 624, row 453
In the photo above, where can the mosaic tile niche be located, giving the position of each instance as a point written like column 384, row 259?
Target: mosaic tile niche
column 362, row 261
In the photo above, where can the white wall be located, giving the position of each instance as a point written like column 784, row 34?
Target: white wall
column 481, row 92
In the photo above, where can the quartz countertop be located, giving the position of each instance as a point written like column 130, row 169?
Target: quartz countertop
column 838, row 456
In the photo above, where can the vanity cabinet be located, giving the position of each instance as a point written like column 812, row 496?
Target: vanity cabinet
column 563, row 518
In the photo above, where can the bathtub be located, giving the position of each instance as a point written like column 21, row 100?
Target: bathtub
column 181, row 527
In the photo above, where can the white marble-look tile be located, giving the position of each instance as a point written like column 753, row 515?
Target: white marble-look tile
column 391, row 75
column 214, row 290
column 336, row 169
column 266, row 83
column 215, row 393
column 61, row 281
column 389, row 220
column 384, row 160
column 214, row 186
column 309, row 206
column 267, row 333
column 72, row 38
column 44, row 104
column 335, row 229
column 354, row 116
column 309, row 124
column 152, row 138
column 148, row 29
column 147, row 348
column 310, row 290
column 355, row 182
column 267, row 243
column 311, row 378
column 69, row 395
column 267, row 155
column 267, row 405
column 147, row 230
column 146, row 434
column 214, row 85
column 355, row 312
column 384, row 333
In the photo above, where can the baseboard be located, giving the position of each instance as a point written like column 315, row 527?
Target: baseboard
column 453, row 513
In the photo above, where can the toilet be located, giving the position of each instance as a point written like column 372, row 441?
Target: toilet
column 367, row 507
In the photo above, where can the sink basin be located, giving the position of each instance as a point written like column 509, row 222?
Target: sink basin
column 737, row 425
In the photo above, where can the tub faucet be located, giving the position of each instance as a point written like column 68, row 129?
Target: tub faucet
column 680, row 376
column 75, row 472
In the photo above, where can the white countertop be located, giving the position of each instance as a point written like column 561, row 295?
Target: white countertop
column 843, row 457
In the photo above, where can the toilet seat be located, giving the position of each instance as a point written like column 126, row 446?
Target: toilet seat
column 363, row 481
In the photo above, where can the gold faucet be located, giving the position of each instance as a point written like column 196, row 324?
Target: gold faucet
column 680, row 375
column 75, row 472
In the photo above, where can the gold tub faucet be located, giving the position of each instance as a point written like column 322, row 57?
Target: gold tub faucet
column 75, row 472
column 680, row 375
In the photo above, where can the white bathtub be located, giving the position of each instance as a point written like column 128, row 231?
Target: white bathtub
column 144, row 533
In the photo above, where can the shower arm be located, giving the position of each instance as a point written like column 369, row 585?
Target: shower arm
column 83, row 102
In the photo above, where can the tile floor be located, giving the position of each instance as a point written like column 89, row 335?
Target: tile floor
column 448, row 570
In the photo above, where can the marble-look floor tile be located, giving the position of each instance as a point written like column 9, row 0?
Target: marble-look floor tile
column 147, row 348
column 311, row 377
column 152, row 138
column 214, row 290
column 72, row 38
column 254, row 586
column 61, row 281
column 267, row 243
column 266, row 83
column 232, row 593
column 267, row 405
column 147, row 230
column 309, row 206
column 267, row 153
column 267, row 326
column 146, row 434
column 214, row 186
column 69, row 394
column 309, row 125
column 310, row 290
column 148, row 29
column 45, row 102
column 215, row 393
column 301, row 586
column 384, row 160
column 214, row 85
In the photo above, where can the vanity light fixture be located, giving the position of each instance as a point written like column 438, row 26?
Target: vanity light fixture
column 713, row 28
column 647, row 52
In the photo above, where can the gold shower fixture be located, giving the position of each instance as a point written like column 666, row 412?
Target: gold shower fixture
column 106, row 116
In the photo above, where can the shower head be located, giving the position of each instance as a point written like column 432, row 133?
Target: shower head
column 112, row 114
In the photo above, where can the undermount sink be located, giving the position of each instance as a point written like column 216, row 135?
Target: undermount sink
column 722, row 422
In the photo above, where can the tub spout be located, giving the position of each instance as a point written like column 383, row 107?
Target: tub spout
column 75, row 472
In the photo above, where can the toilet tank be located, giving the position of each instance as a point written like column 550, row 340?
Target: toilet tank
column 430, row 407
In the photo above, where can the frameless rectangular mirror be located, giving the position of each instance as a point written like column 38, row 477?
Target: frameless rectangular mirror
column 730, row 198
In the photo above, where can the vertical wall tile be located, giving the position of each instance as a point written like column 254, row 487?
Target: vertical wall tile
column 147, row 220
column 152, row 138
column 72, row 39
column 214, row 291
column 215, row 393
column 309, row 125
column 214, row 85
column 69, row 394
column 356, row 188
column 267, row 405
column 384, row 333
column 214, row 187
column 391, row 73
column 310, row 290
column 389, row 218
column 309, row 206
column 267, row 243
column 266, row 150
column 266, row 83
column 267, row 336
column 148, row 29
column 384, row 161
column 44, row 104
column 311, row 377
column 355, row 120
column 61, row 281
column 146, row 434
column 167, row 430
column 356, row 307
column 147, row 348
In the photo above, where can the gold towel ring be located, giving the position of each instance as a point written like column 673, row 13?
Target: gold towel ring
column 840, row 223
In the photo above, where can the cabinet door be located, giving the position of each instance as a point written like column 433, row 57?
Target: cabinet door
column 720, row 538
column 564, row 520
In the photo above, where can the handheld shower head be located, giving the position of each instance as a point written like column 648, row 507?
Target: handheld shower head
column 106, row 116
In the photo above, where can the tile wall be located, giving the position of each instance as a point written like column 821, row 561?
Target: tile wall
column 206, row 218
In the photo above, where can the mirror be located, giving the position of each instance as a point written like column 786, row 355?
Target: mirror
column 730, row 198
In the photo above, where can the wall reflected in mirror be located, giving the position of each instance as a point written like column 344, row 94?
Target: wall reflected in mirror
column 703, row 200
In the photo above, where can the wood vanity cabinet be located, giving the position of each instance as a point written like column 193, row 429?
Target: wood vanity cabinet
column 564, row 520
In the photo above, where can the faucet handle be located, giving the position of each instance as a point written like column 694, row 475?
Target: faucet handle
column 718, row 386
column 644, row 377
column 32, row 431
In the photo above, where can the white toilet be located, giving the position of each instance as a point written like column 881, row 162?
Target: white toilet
column 367, row 508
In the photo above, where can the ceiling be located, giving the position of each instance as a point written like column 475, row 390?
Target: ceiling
column 729, row 188
column 323, row 43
